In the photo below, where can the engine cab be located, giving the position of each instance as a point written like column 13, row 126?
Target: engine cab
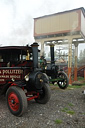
column 15, row 62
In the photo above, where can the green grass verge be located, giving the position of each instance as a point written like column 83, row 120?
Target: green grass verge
column 74, row 86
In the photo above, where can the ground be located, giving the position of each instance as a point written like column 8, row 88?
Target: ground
column 66, row 109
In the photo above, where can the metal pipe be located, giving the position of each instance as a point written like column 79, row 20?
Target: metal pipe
column 52, row 54
column 35, row 54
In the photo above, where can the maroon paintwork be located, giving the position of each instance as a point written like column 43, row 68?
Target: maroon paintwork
column 18, row 67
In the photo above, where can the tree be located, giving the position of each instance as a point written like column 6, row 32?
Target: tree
column 82, row 56
column 84, row 53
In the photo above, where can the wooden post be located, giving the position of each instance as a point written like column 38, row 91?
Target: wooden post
column 75, row 66
column 84, row 74
column 70, row 60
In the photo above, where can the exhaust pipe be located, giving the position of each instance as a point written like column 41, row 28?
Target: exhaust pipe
column 35, row 54
column 52, row 54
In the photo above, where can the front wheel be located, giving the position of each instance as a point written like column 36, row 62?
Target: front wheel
column 63, row 80
column 45, row 95
column 16, row 100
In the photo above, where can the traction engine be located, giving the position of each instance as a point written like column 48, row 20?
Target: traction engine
column 53, row 72
column 21, row 79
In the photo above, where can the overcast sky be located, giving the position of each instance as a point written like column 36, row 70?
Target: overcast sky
column 16, row 17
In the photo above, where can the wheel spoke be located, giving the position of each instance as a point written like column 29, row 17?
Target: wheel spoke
column 63, row 82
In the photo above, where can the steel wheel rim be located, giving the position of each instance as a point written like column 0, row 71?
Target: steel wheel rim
column 62, row 83
column 13, row 101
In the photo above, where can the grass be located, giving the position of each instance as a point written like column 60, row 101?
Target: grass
column 83, row 113
column 83, row 84
column 57, row 121
column 80, row 78
column 70, row 86
column 68, row 111
column 51, row 84
column 70, row 104
column 74, row 86
column 65, row 110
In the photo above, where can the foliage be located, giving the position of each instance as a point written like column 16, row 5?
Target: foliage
column 82, row 56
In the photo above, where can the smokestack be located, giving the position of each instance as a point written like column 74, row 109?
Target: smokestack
column 52, row 53
column 35, row 54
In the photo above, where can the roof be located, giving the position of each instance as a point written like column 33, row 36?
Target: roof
column 24, row 48
column 81, row 8
column 16, row 48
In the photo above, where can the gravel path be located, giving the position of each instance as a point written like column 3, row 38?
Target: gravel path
column 66, row 109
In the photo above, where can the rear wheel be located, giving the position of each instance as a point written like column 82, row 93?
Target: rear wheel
column 63, row 82
column 45, row 95
column 16, row 100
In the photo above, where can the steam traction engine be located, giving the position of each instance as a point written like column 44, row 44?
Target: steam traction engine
column 55, row 74
column 21, row 79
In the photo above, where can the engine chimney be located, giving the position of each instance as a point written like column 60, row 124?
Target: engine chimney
column 35, row 54
column 52, row 53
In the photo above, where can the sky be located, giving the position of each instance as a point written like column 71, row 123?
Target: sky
column 16, row 18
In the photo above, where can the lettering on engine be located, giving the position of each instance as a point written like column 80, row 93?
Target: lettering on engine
column 9, row 74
